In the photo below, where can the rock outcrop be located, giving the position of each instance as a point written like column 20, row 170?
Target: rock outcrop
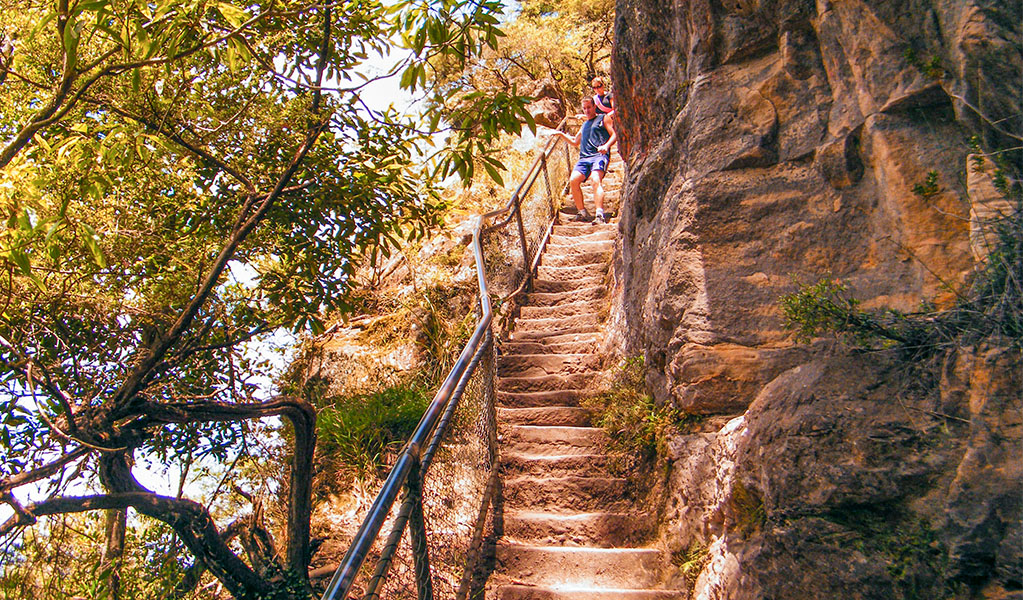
column 772, row 141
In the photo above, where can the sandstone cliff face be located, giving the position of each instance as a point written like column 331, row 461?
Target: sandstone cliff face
column 772, row 139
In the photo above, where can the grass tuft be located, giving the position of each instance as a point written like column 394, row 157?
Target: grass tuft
column 361, row 432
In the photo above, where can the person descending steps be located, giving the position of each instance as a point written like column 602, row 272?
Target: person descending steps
column 595, row 139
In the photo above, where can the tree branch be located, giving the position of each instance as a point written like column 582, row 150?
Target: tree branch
column 189, row 519
column 181, row 141
column 42, row 472
column 302, row 416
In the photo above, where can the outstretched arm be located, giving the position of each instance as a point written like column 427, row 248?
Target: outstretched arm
column 609, row 125
column 571, row 140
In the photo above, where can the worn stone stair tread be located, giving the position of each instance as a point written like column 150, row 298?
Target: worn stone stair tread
column 561, row 333
column 625, row 568
column 531, row 365
column 571, row 273
column 554, row 324
column 557, row 286
column 553, row 464
column 570, row 308
column 542, row 347
column 517, row 447
column 576, row 245
column 540, row 383
column 549, row 592
column 549, row 323
column 566, row 244
column 521, row 446
column 601, row 529
column 572, row 416
column 587, row 294
column 531, row 399
column 584, row 229
column 560, row 435
column 575, row 259
column 568, row 492
column 568, row 234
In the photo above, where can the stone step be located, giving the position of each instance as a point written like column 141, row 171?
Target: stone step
column 543, row 347
column 565, row 493
column 556, row 333
column 567, row 245
column 551, row 325
column 594, row 529
column 628, row 568
column 554, row 436
column 565, row 309
column 514, row 591
column 585, row 230
column 553, row 465
column 541, row 383
column 533, row 365
column 554, row 286
column 535, row 399
column 574, row 259
column 597, row 242
column 571, row 273
column 589, row 294
column 568, row 416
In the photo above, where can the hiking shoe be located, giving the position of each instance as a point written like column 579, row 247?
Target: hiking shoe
column 599, row 220
column 582, row 217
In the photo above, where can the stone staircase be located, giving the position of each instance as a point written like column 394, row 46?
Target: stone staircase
column 570, row 530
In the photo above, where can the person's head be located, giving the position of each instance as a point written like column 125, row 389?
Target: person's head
column 589, row 108
column 598, row 86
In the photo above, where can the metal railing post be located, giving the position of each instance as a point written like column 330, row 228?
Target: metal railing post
column 568, row 163
column 417, row 531
column 551, row 209
column 387, row 555
column 527, row 261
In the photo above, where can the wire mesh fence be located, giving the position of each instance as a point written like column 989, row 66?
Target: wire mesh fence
column 539, row 199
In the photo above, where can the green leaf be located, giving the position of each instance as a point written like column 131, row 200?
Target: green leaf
column 91, row 239
column 20, row 259
column 234, row 15
column 95, row 6
column 41, row 25
column 494, row 174
column 72, row 34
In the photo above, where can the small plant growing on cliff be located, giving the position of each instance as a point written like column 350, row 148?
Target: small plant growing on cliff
column 747, row 509
column 929, row 187
column 827, row 307
column 910, row 548
column 630, row 416
column 932, row 68
column 992, row 306
column 691, row 561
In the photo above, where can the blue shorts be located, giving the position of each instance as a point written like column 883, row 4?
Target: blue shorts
column 588, row 164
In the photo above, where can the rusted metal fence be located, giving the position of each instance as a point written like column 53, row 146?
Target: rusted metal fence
column 446, row 474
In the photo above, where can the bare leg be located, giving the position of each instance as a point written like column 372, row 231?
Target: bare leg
column 598, row 189
column 576, row 183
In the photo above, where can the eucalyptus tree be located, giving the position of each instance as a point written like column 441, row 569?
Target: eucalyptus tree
column 148, row 149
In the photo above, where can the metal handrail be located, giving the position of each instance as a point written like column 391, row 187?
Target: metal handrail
column 412, row 461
